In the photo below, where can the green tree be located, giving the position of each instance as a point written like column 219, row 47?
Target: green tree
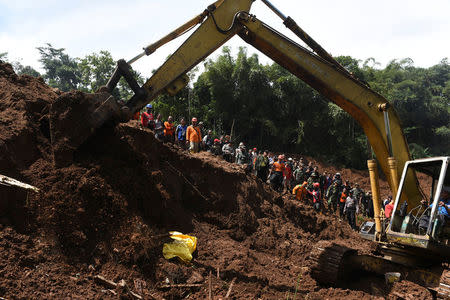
column 25, row 70
column 61, row 70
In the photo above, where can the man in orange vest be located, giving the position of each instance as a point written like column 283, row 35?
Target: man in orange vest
column 194, row 136
column 342, row 200
column 169, row 129
column 300, row 191
column 276, row 176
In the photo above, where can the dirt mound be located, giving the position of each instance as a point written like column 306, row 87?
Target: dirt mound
column 106, row 211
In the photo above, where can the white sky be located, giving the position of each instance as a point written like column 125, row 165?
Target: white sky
column 383, row 29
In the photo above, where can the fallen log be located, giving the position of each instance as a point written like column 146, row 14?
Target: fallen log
column 8, row 181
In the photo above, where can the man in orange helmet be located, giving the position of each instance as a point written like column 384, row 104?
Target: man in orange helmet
column 300, row 191
column 194, row 136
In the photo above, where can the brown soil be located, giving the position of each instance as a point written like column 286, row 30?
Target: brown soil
column 104, row 213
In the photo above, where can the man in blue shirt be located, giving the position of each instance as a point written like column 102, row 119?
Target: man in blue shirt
column 444, row 203
column 180, row 133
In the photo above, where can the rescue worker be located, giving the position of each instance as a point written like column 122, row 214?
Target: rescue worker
column 299, row 174
column 194, row 136
column 159, row 128
column 316, row 196
column 242, row 155
column 180, row 133
column 169, row 130
column 342, row 199
column 337, row 178
column 351, row 209
column 332, row 196
column 207, row 141
column 314, row 178
column 300, row 191
column 288, row 173
column 324, row 182
column 276, row 176
column 262, row 166
column 216, row 148
column 357, row 193
column 228, row 151
column 147, row 117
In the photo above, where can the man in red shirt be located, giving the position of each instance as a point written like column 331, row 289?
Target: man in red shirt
column 147, row 117
column 389, row 208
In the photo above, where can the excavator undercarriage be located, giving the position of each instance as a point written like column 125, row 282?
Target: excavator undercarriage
column 334, row 265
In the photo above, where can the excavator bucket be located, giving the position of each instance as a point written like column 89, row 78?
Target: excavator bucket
column 73, row 118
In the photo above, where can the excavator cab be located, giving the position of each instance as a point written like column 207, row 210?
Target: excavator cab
column 426, row 225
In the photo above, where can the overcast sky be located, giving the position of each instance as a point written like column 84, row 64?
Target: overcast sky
column 383, row 29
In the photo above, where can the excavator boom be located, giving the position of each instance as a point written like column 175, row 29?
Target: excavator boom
column 221, row 21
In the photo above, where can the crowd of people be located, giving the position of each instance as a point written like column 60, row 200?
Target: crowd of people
column 324, row 191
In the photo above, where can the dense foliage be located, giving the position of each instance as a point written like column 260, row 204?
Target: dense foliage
column 266, row 106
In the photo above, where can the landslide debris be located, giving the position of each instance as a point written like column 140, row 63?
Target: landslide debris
column 105, row 212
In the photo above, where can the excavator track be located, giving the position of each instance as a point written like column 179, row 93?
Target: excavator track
column 327, row 265
column 443, row 291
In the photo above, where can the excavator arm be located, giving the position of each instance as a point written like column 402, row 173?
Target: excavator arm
column 226, row 18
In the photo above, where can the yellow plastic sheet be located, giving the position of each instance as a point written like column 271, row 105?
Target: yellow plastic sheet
column 182, row 247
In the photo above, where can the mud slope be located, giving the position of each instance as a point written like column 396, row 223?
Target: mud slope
column 105, row 213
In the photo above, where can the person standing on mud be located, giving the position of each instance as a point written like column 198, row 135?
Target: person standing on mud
column 194, row 136
column 228, row 151
column 169, row 130
column 159, row 127
column 147, row 118
column 351, row 208
column 300, row 191
column 342, row 200
column 180, row 133
column 288, row 174
column 242, row 155
column 207, row 141
column 316, row 196
column 216, row 148
column 262, row 166
column 333, row 195
column 299, row 174
column 357, row 193
column 276, row 175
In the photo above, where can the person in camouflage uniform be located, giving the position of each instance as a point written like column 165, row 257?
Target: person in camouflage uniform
column 358, row 193
column 216, row 148
column 242, row 157
column 299, row 174
column 313, row 179
column 333, row 194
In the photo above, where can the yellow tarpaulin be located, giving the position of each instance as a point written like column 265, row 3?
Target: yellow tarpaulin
column 182, row 247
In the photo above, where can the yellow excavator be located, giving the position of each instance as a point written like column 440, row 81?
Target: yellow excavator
column 415, row 238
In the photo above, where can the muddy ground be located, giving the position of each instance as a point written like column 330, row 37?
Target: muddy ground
column 107, row 211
